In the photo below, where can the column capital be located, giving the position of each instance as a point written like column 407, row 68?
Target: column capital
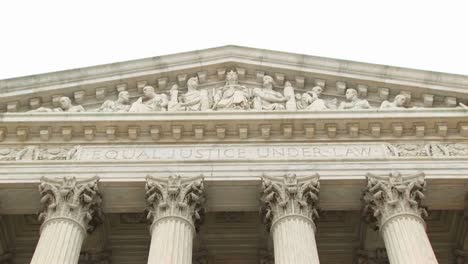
column 76, row 200
column 175, row 197
column 392, row 195
column 289, row 196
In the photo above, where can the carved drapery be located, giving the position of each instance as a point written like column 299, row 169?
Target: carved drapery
column 393, row 203
column 289, row 207
column 71, row 210
column 175, row 208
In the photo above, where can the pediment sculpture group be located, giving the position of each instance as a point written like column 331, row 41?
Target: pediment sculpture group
column 231, row 96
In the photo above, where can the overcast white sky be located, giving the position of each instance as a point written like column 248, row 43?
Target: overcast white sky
column 43, row 36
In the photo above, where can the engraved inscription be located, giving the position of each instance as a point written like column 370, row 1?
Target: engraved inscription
column 232, row 152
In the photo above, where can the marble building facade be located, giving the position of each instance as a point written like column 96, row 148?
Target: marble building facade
column 234, row 155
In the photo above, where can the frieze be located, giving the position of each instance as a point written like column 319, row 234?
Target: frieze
column 237, row 152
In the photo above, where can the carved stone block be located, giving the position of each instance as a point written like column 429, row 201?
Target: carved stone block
column 309, row 130
column 121, row 87
column 419, row 129
column 35, row 102
column 362, row 90
column 44, row 133
column 383, row 93
column 67, row 133
column 3, row 133
column 428, row 100
column 155, row 132
column 89, row 133
column 111, row 132
column 79, row 96
column 442, row 129
column 241, row 73
column 279, row 78
column 162, row 82
column 243, row 131
column 397, row 129
column 202, row 76
column 220, row 132
column 141, row 85
column 353, row 130
column 340, row 88
column 463, row 127
column 300, row 82
column 320, row 82
column 375, row 129
column 22, row 133
column 13, row 106
column 100, row 93
column 260, row 75
column 331, row 130
column 450, row 101
column 198, row 132
column 177, row 132
column 133, row 132
column 56, row 100
column 265, row 131
column 287, row 131
column 221, row 73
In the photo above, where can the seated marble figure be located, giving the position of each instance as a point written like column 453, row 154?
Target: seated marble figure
column 232, row 95
column 195, row 99
column 317, row 104
column 65, row 105
column 122, row 104
column 398, row 103
column 150, row 101
column 266, row 98
column 352, row 101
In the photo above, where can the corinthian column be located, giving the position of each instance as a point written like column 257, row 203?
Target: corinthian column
column 393, row 202
column 175, row 207
column 289, row 208
column 71, row 209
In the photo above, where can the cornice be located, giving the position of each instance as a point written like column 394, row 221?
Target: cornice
column 333, row 125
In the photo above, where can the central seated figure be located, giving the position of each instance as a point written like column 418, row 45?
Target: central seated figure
column 232, row 95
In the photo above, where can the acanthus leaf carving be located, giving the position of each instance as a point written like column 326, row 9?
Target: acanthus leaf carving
column 289, row 195
column 175, row 197
column 70, row 198
column 387, row 196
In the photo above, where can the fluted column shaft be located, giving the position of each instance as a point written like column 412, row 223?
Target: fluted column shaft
column 294, row 241
column 406, row 241
column 71, row 210
column 174, row 205
column 289, row 209
column 171, row 242
column 60, row 242
column 393, row 203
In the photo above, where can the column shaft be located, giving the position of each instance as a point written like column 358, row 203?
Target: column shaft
column 60, row 242
column 406, row 241
column 171, row 242
column 294, row 241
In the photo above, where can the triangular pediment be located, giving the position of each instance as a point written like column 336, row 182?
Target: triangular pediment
column 90, row 87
